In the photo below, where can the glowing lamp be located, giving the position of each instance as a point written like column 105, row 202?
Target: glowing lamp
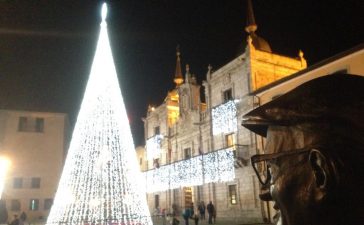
column 4, row 166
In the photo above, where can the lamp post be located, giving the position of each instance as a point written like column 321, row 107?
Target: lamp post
column 4, row 166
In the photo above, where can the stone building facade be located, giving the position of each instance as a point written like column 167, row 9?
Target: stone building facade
column 187, row 138
column 34, row 143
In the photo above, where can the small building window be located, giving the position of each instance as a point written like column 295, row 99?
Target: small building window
column 140, row 161
column 156, row 130
column 228, row 95
column 15, row 205
column 156, row 163
column 18, row 182
column 229, row 140
column 232, row 194
column 48, row 202
column 156, row 201
column 30, row 124
column 35, row 182
column 34, row 204
column 188, row 153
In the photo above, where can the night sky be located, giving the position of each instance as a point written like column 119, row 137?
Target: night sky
column 47, row 46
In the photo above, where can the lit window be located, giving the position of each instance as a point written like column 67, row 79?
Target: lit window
column 30, row 124
column 232, row 194
column 18, row 182
column 229, row 140
column 35, row 182
column 15, row 205
column 228, row 95
column 48, row 203
column 34, row 204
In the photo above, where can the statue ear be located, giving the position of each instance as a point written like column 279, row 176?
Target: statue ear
column 319, row 166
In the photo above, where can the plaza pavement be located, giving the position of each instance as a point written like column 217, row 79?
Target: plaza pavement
column 162, row 221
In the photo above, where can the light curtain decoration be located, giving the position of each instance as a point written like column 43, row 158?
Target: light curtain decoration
column 224, row 119
column 216, row 166
column 153, row 147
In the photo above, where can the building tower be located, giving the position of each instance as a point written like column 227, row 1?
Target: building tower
column 178, row 79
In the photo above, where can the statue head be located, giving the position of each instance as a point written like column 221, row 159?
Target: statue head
column 312, row 163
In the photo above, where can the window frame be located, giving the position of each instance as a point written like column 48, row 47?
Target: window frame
column 17, row 185
column 185, row 155
column 35, row 182
column 229, row 137
column 31, row 124
column 15, row 205
column 233, row 194
column 34, row 207
column 227, row 95
column 47, row 203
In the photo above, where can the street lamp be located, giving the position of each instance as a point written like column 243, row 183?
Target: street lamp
column 4, row 166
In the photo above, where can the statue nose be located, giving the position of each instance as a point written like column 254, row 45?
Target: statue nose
column 265, row 194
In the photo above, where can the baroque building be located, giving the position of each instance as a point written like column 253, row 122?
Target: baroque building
column 197, row 151
column 34, row 143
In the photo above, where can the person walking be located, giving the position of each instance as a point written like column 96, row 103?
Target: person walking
column 202, row 209
column 186, row 215
column 210, row 209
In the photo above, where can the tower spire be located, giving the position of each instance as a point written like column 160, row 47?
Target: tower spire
column 178, row 78
column 251, row 26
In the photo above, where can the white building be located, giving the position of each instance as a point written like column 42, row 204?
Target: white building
column 35, row 144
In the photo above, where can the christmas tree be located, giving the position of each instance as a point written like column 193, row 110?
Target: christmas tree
column 101, row 182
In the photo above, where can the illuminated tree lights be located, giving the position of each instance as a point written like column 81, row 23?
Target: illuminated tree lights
column 4, row 166
column 216, row 166
column 224, row 118
column 101, row 182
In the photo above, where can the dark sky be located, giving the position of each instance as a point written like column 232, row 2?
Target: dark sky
column 47, row 46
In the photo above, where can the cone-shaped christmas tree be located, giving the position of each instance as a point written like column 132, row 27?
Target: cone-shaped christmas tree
column 101, row 182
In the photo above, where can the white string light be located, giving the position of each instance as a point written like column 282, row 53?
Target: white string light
column 216, row 166
column 101, row 182
column 153, row 147
column 224, row 119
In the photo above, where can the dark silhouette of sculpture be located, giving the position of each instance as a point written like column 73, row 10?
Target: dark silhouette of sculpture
column 314, row 152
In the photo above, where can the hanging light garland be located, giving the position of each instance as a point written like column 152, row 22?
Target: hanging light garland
column 216, row 166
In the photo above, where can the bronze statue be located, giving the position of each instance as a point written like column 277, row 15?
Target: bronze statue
column 313, row 164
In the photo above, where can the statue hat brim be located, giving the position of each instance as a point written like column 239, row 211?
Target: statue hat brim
column 336, row 99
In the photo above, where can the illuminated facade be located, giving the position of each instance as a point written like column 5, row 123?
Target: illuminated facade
column 34, row 143
column 193, row 131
